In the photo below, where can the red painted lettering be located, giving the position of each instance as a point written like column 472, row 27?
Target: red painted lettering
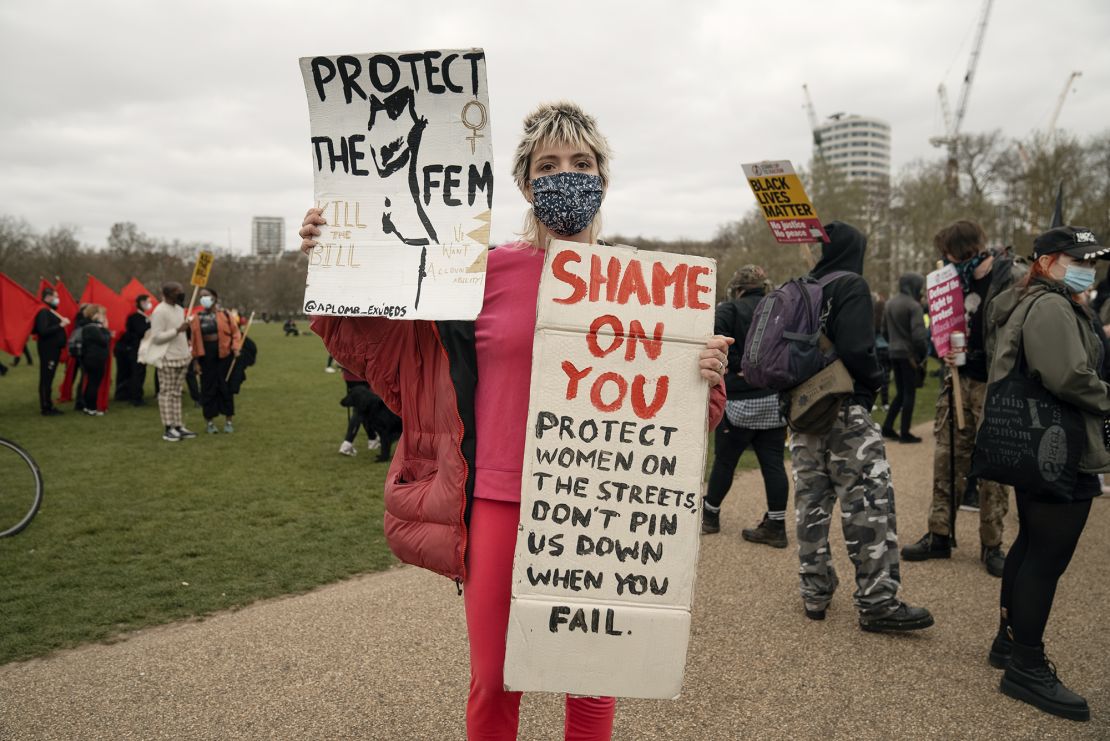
column 693, row 288
column 640, row 406
column 610, row 280
column 573, row 377
column 598, row 324
column 660, row 279
column 599, row 384
column 559, row 270
column 633, row 282
column 652, row 347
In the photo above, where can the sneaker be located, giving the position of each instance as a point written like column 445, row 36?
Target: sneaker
column 329, row 369
column 909, row 437
column 710, row 521
column 210, row 428
column 771, row 532
column 890, row 434
column 228, row 428
column 1002, row 650
column 904, row 618
column 930, row 546
column 373, row 444
column 184, row 433
column 994, row 559
column 970, row 501
column 347, row 448
column 93, row 412
column 171, row 435
column 1031, row 678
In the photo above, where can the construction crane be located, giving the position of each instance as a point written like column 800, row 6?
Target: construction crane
column 1060, row 103
column 951, row 138
column 812, row 121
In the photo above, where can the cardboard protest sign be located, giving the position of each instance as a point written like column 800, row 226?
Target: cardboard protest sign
column 610, row 505
column 784, row 203
column 403, row 170
column 946, row 307
column 203, row 269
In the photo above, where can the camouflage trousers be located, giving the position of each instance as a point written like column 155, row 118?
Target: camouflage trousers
column 994, row 499
column 848, row 464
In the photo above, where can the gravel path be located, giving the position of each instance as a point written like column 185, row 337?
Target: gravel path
column 384, row 656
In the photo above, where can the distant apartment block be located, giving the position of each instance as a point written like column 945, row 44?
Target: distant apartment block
column 857, row 146
column 267, row 235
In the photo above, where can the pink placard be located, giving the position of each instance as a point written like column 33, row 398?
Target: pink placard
column 946, row 307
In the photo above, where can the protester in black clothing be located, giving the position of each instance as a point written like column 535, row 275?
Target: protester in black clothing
column 50, row 330
column 248, row 355
column 290, row 328
column 95, row 350
column 908, row 340
column 882, row 350
column 215, row 340
column 752, row 418
column 1043, row 324
column 130, row 373
column 74, row 344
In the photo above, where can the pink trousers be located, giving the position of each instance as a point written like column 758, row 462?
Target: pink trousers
column 491, row 712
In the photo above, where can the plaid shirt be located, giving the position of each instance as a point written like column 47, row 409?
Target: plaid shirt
column 760, row 413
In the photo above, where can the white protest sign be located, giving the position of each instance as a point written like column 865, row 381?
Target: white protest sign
column 607, row 548
column 403, row 170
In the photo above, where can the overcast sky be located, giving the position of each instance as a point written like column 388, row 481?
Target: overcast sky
column 188, row 119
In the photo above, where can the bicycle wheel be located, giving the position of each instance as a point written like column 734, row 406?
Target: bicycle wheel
column 20, row 488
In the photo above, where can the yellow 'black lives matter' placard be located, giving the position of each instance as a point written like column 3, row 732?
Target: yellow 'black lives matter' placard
column 784, row 202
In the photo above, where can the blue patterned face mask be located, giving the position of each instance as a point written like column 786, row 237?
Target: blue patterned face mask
column 566, row 202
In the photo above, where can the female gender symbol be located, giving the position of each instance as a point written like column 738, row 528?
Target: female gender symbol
column 474, row 128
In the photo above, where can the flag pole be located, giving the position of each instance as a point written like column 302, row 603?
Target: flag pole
column 246, row 331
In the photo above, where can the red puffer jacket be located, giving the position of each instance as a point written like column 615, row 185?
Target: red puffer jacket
column 430, row 483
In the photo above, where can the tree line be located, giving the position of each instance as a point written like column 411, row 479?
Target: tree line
column 1007, row 185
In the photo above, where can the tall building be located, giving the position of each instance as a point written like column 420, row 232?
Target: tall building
column 267, row 235
column 857, row 146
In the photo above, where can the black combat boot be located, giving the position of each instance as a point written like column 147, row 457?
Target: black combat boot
column 930, row 546
column 904, row 618
column 710, row 521
column 1002, row 650
column 771, row 532
column 1031, row 678
column 994, row 559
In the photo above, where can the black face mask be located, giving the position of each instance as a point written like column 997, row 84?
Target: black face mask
column 179, row 299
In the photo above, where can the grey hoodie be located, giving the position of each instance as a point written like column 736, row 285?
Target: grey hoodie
column 903, row 322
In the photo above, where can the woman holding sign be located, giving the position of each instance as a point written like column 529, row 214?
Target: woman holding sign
column 462, row 389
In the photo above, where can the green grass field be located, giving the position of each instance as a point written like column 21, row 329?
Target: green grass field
column 135, row 531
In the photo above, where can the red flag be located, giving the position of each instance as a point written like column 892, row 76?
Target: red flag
column 118, row 309
column 17, row 315
column 132, row 291
column 67, row 307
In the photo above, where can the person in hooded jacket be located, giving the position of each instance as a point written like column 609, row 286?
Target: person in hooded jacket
column 96, row 342
column 461, row 388
column 1045, row 318
column 752, row 418
column 963, row 244
column 130, row 373
column 848, row 463
column 904, row 328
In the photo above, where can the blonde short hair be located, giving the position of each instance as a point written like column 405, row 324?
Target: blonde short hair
column 561, row 122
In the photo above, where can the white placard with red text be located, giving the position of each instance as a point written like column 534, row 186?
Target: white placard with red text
column 946, row 307
column 607, row 548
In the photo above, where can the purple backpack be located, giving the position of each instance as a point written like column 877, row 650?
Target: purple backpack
column 783, row 346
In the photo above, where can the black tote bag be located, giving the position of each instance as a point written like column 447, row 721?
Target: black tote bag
column 1028, row 438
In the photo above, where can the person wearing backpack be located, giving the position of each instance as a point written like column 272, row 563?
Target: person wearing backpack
column 848, row 462
column 904, row 328
column 983, row 275
column 752, row 418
